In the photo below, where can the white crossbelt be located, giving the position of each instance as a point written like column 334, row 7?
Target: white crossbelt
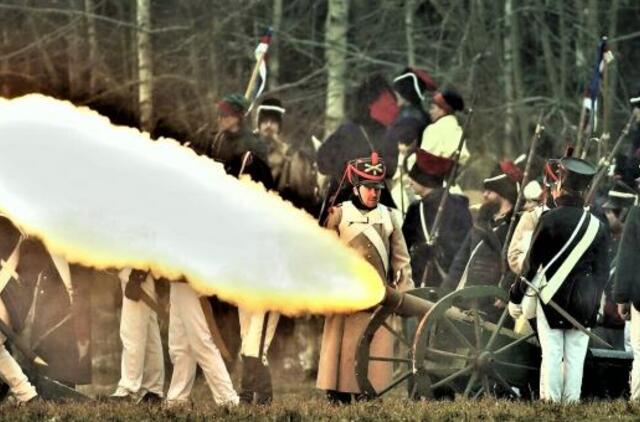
column 548, row 290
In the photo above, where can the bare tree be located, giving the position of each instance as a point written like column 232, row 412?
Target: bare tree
column 335, row 53
column 145, row 73
column 274, row 50
column 409, row 27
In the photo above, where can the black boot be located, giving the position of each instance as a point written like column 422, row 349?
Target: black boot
column 247, row 382
column 263, row 386
column 338, row 397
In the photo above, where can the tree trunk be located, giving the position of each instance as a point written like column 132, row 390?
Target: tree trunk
column 92, row 40
column 274, row 48
column 516, row 63
column 74, row 75
column 335, row 55
column 409, row 30
column 509, row 90
column 145, row 74
column 5, row 67
column 548, row 51
column 564, row 48
column 214, row 68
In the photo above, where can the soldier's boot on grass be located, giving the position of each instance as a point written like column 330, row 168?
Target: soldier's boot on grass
column 250, row 373
column 263, row 386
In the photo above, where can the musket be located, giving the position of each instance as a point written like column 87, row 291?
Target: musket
column 48, row 388
column 568, row 317
column 606, row 161
column 535, row 139
column 451, row 180
column 26, row 351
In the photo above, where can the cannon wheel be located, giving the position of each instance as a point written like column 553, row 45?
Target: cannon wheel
column 461, row 352
column 404, row 371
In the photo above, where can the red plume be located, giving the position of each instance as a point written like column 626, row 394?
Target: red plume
column 509, row 168
column 374, row 158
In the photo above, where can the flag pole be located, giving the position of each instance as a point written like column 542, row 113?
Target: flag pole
column 260, row 58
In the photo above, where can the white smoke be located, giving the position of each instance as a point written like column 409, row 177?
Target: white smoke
column 109, row 196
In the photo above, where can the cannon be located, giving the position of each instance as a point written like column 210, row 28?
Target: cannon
column 460, row 347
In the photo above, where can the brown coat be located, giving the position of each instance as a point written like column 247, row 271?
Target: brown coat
column 336, row 370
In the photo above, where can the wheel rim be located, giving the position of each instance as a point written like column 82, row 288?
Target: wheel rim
column 404, row 371
column 463, row 351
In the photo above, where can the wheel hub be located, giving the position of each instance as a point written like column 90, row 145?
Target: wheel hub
column 484, row 361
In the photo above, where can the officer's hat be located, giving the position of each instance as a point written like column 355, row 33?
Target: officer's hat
column 430, row 170
column 271, row 109
column 620, row 196
column 448, row 100
column 412, row 84
column 367, row 171
column 505, row 180
column 233, row 105
column 575, row 173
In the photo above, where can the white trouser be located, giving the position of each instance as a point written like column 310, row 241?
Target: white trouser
column 563, row 354
column 142, row 368
column 190, row 343
column 10, row 371
column 635, row 347
column 251, row 324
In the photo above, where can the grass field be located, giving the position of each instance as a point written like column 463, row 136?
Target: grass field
column 296, row 408
column 298, row 400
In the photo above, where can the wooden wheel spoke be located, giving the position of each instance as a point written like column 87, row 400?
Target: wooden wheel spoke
column 477, row 328
column 444, row 353
column 514, row 343
column 395, row 382
column 499, row 325
column 485, row 385
column 453, row 376
column 478, row 393
column 389, row 359
column 501, row 380
column 470, row 384
column 458, row 334
column 515, row 365
column 396, row 334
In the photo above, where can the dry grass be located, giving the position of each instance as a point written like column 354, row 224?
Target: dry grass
column 295, row 408
column 296, row 401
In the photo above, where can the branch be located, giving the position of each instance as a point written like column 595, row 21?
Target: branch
column 102, row 18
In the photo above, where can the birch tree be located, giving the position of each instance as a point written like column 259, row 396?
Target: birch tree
column 145, row 74
column 335, row 55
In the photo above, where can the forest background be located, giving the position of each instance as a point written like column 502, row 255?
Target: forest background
column 161, row 65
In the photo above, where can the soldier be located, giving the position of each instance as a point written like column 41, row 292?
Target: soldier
column 191, row 344
column 411, row 88
column 374, row 110
column 427, row 176
column 293, row 168
column 234, row 137
column 479, row 260
column 142, row 368
column 620, row 199
column 442, row 136
column 373, row 231
column 13, row 311
column 256, row 328
column 626, row 290
column 569, row 249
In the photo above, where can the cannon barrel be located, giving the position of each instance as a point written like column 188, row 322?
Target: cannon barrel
column 404, row 304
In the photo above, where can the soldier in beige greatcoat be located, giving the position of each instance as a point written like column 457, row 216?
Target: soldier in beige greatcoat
column 375, row 232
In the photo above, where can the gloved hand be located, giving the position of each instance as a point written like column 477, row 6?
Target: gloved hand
column 133, row 289
column 515, row 310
